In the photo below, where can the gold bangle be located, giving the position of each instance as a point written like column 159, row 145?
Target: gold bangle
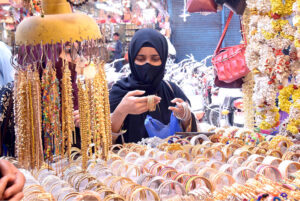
column 207, row 170
column 114, row 197
column 275, row 153
column 274, row 144
column 33, row 187
column 216, row 178
column 156, row 197
column 206, row 181
column 242, row 152
column 290, row 155
column 69, row 195
column 215, row 149
column 181, row 154
column 119, row 179
column 137, row 171
column 105, row 190
column 200, row 159
column 229, row 149
column 116, row 146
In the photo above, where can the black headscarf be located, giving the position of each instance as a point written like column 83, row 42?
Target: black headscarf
column 134, row 124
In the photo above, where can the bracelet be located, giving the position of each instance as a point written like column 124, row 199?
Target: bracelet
column 127, row 189
column 115, row 146
column 210, row 150
column 197, row 137
column 198, row 150
column 168, row 182
column 275, row 153
column 216, row 179
column 253, row 165
column 114, row 197
column 242, row 152
column 131, row 154
column 226, row 168
column 293, row 156
column 191, row 182
column 121, row 154
column 271, row 160
column 107, row 191
column 156, row 197
column 142, row 178
column 214, row 164
column 181, row 154
column 151, row 103
column 245, row 175
column 262, row 169
column 187, row 113
column 133, row 167
column 156, row 179
column 255, row 157
column 207, row 172
column 285, row 165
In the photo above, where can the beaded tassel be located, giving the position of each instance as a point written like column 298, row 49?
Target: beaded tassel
column 51, row 108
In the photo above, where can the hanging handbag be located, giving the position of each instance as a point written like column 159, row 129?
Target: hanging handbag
column 229, row 62
column 194, row 6
column 237, row 6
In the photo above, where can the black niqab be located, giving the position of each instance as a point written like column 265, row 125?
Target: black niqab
column 134, row 124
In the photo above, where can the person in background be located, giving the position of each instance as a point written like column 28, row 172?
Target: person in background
column 117, row 50
column 148, row 52
column 6, row 70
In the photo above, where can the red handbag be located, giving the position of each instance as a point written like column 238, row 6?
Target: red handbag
column 230, row 62
column 201, row 6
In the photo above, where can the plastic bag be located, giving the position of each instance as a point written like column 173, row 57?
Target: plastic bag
column 158, row 129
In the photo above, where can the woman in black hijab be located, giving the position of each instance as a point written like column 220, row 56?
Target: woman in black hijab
column 148, row 52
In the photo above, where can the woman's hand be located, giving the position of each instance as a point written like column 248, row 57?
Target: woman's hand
column 11, row 182
column 179, row 110
column 131, row 104
column 76, row 118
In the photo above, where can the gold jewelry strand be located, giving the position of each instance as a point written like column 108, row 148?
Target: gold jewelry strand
column 106, row 112
column 92, row 115
column 97, row 107
column 84, row 112
column 21, row 116
column 103, row 139
column 31, row 120
column 68, row 107
column 38, row 118
column 27, row 125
